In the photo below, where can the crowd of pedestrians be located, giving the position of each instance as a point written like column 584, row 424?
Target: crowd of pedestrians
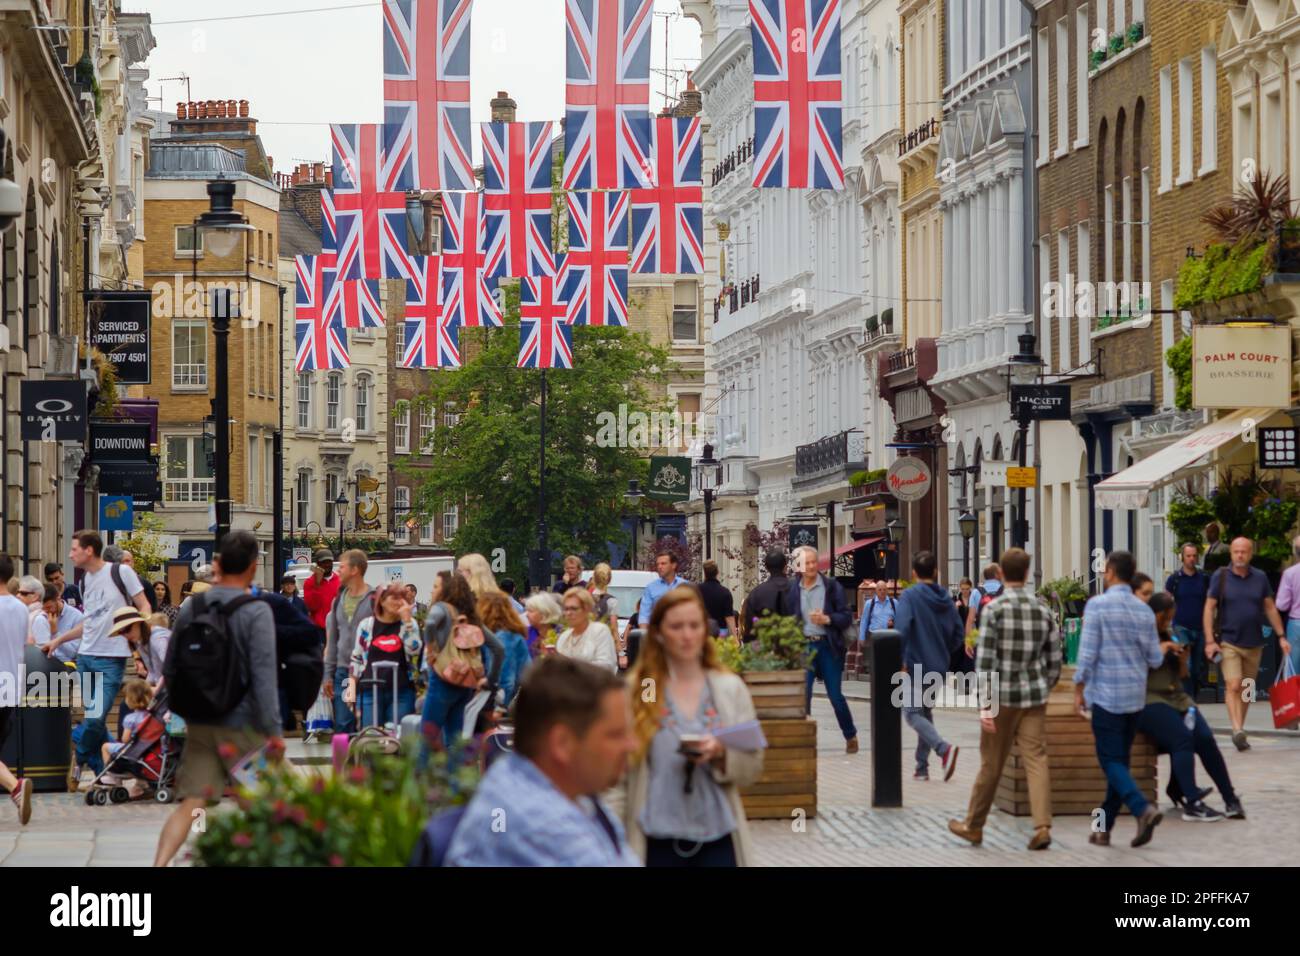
column 605, row 773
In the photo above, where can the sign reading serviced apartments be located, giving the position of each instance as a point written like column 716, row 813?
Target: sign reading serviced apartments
column 1233, row 366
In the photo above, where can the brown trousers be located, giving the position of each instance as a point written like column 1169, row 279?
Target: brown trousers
column 1027, row 727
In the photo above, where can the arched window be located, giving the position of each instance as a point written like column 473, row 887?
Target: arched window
column 31, row 268
column 56, row 291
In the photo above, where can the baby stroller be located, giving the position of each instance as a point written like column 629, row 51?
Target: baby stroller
column 152, row 755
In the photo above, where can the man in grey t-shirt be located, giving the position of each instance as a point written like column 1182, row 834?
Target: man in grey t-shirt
column 1244, row 600
column 211, row 749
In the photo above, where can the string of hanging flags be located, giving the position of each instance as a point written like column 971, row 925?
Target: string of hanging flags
column 633, row 182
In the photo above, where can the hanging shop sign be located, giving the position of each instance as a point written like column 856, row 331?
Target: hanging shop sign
column 909, row 479
column 1043, row 403
column 54, row 410
column 119, row 327
column 1236, row 365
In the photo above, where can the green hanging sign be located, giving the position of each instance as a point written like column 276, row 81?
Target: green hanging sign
column 670, row 478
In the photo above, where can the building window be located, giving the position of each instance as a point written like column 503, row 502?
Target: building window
column 1146, row 228
column 428, row 533
column 402, row 430
column 190, row 354
column 1126, row 230
column 333, row 400
column 686, row 313
column 1083, row 255
column 401, row 514
column 435, row 235
column 302, row 504
column 1185, row 93
column 399, row 339
column 332, row 511
column 1108, row 249
column 304, row 400
column 688, row 407
column 1062, row 271
column 189, row 472
column 1081, row 73
column 363, row 403
column 252, row 472
column 450, row 417
column 450, row 522
column 1062, row 86
column 426, row 430
column 1167, row 386
column 1166, row 128
column 268, row 472
column 1209, row 111
column 189, row 245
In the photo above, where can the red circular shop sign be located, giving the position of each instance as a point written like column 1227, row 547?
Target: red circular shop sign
column 908, row 479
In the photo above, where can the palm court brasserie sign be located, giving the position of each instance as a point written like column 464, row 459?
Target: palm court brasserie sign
column 1234, row 366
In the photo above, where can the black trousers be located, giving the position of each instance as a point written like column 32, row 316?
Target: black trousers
column 689, row 853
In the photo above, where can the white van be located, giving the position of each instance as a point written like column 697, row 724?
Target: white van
column 418, row 571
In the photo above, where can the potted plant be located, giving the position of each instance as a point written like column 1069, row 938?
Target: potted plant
column 1116, row 45
column 1136, row 31
column 365, row 816
column 773, row 667
column 1066, row 596
column 1096, row 58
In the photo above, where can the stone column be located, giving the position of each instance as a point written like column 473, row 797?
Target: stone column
column 1016, row 245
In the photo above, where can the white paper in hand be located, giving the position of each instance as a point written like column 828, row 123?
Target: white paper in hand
column 747, row 735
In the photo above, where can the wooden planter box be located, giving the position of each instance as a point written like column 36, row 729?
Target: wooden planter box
column 789, row 779
column 778, row 695
column 1078, row 785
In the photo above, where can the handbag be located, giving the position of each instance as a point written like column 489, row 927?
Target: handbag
column 460, row 662
column 1284, row 696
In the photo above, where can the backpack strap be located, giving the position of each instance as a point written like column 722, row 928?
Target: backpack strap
column 115, row 570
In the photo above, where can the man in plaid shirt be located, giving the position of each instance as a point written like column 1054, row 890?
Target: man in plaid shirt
column 1017, row 665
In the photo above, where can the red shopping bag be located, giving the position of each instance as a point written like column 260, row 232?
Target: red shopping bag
column 1284, row 696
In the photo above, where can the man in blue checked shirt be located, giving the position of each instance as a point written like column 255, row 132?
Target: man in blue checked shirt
column 666, row 566
column 1117, row 649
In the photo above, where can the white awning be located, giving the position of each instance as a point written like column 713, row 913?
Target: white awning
column 1131, row 487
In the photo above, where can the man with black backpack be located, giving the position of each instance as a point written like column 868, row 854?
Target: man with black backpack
column 221, row 677
column 102, row 656
column 984, row 595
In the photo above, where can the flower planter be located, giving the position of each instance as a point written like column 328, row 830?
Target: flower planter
column 778, row 694
column 788, row 783
column 1078, row 785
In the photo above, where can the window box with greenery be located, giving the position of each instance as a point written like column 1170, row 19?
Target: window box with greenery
column 1136, row 31
column 1116, row 45
column 1096, row 58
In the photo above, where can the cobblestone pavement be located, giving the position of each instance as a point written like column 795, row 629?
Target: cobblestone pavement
column 848, row 832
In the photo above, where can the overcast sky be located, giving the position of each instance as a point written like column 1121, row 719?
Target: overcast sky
column 304, row 70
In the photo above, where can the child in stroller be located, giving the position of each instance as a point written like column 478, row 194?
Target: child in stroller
column 146, row 761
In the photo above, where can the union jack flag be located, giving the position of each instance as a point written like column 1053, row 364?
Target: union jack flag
column 517, row 197
column 321, row 344
column 329, row 242
column 607, row 96
column 798, row 94
column 466, row 290
column 545, row 338
column 426, row 93
column 356, row 302
column 668, row 219
column 431, row 340
column 594, row 276
column 369, row 208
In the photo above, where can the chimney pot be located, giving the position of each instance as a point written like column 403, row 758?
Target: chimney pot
column 329, row 179
column 193, row 110
column 180, row 111
column 243, row 107
column 232, row 108
column 212, row 109
column 318, row 173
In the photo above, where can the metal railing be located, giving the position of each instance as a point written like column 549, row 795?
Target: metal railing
column 900, row 361
column 828, row 455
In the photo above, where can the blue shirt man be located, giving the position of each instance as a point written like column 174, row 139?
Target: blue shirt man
column 666, row 566
column 823, row 613
column 878, row 612
column 538, row 806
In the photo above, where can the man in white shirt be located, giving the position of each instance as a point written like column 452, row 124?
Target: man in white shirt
column 102, row 657
column 13, row 639
column 57, row 618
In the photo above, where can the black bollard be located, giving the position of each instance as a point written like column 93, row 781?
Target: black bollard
column 886, row 721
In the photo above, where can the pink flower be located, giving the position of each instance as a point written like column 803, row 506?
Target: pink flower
column 357, row 775
column 336, row 860
column 298, row 815
column 318, row 825
column 318, row 785
column 242, row 839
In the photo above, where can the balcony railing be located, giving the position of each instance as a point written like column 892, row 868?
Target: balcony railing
column 917, row 137
column 833, row 455
column 900, row 361
column 736, row 297
column 879, row 326
column 732, row 161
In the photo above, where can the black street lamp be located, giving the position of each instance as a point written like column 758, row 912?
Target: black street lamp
column 1023, row 369
column 634, row 494
column 340, row 505
column 969, row 524
column 708, row 477
column 222, row 228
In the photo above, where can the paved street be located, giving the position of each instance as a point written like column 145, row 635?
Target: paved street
column 847, row 832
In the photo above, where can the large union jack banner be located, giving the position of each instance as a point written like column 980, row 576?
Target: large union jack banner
column 607, row 95
column 431, row 340
column 668, row 219
column 594, row 279
column 320, row 344
column 426, row 93
column 798, row 94
column 369, row 206
column 466, row 290
column 545, row 338
column 517, row 196
column 355, row 302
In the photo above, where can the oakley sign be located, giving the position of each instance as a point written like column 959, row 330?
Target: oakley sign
column 54, row 411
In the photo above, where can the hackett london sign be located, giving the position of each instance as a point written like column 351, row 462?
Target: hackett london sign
column 1042, row 402
column 908, row 479
column 1234, row 366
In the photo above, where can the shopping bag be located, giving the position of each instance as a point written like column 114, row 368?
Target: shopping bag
column 1284, row 697
column 320, row 718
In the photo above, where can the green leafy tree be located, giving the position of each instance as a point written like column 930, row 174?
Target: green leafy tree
column 487, row 461
column 145, row 543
